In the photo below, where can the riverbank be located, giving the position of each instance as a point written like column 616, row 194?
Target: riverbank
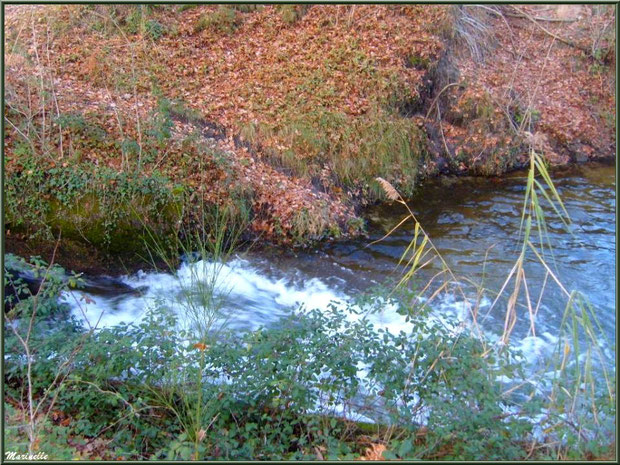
column 128, row 119
column 117, row 376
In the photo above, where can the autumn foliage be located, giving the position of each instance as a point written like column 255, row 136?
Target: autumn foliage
column 295, row 110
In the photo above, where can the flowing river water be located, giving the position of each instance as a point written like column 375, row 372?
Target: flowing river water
column 473, row 222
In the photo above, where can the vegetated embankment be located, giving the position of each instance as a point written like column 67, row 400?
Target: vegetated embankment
column 121, row 119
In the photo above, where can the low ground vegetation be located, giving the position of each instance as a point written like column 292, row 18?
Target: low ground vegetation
column 148, row 391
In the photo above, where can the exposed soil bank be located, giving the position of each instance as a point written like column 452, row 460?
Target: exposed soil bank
column 126, row 118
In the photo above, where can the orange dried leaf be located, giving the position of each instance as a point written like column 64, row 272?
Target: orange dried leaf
column 374, row 452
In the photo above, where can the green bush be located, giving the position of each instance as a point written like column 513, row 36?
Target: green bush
column 98, row 203
column 154, row 29
column 276, row 393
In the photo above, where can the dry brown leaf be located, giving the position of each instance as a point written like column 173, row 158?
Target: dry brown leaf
column 374, row 452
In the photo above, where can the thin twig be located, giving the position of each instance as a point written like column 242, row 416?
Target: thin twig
column 539, row 18
column 432, row 105
column 549, row 33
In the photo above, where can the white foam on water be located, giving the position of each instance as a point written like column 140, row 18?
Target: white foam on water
column 252, row 299
column 247, row 293
column 535, row 348
column 250, row 296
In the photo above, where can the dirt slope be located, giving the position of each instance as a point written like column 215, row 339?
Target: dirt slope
column 289, row 112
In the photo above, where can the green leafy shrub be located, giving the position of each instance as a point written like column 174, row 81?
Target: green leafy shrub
column 278, row 393
column 154, row 29
column 41, row 304
column 53, row 439
column 98, row 203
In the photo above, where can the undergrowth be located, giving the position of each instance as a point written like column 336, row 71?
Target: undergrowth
column 275, row 393
column 326, row 384
column 572, row 392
